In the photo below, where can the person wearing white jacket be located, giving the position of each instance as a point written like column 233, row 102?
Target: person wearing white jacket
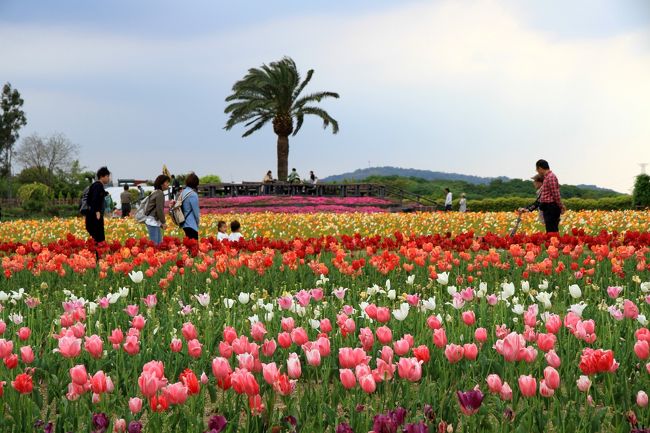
column 448, row 200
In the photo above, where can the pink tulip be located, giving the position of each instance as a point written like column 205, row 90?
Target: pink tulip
column 552, row 378
column 79, row 375
column 270, row 373
column 94, row 346
column 229, row 334
column 78, row 329
column 189, row 331
column 545, row 390
column 440, row 338
column 6, row 347
column 225, row 349
column 326, row 326
column 529, row 354
column 384, row 334
column 347, row 378
column 506, row 392
column 98, row 382
column 194, row 348
column 492, row 299
column 553, row 359
column 246, row 361
column 96, row 398
column 27, row 354
column 583, row 383
column 553, row 324
column 433, row 322
column 366, row 338
column 176, row 345
column 131, row 310
column 135, row 405
column 148, row 383
column 630, row 310
column 313, row 357
column 546, row 342
column 69, row 346
column 384, row 371
column 367, row 383
column 258, row 330
column 119, row 425
column 387, row 354
column 243, row 382
column 138, row 322
column 454, row 353
column 132, row 345
column 293, row 366
column 150, row 301
column 527, row 386
column 220, row 368
column 613, row 292
column 175, row 393
column 323, row 344
column 513, row 344
column 371, row 311
column 494, row 383
column 23, row 333
column 469, row 318
column 284, row 340
column 401, row 347
column 269, row 347
column 642, row 349
column 383, row 314
column 642, row 399
column 285, row 302
column 157, row 368
column 409, row 369
column 470, row 351
column 3, row 327
column 11, row 361
column 287, row 324
column 116, row 338
column 317, row 294
column 480, row 335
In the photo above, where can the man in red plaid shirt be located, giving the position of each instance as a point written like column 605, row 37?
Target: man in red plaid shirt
column 550, row 202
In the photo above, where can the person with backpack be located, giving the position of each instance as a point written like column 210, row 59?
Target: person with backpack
column 155, row 209
column 92, row 205
column 190, row 206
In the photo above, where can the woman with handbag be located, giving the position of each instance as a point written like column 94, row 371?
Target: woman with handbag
column 190, row 206
column 155, row 210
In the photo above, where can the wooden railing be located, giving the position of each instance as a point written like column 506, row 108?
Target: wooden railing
column 285, row 188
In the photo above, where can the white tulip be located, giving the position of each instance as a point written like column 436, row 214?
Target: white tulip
column 645, row 287
column 452, row 290
column 508, row 290
column 578, row 308
column 543, row 286
column 113, row 297
column 574, row 291
column 545, row 299
column 402, row 312
column 443, row 278
column 253, row 319
column 518, row 309
column 387, row 284
column 269, row 316
column 373, row 290
column 228, row 302
column 244, row 298
column 315, row 324
column 429, row 304
column 18, row 295
column 136, row 276
column 642, row 320
column 123, row 292
column 391, row 294
column 410, row 280
column 16, row 318
column 525, row 286
column 92, row 307
column 3, row 296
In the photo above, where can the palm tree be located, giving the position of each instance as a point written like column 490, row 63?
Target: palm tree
column 272, row 93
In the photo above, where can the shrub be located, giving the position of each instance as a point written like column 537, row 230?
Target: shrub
column 506, row 204
column 210, row 178
column 641, row 194
column 35, row 196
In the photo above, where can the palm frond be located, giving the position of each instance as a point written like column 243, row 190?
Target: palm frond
column 324, row 115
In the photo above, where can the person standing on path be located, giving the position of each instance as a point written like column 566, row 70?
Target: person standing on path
column 550, row 202
column 155, row 210
column 462, row 205
column 96, row 203
column 190, row 206
column 125, row 199
column 448, row 200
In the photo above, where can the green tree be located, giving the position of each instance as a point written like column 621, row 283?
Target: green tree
column 210, row 178
column 271, row 93
column 641, row 194
column 12, row 118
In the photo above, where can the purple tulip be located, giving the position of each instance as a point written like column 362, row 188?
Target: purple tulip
column 470, row 401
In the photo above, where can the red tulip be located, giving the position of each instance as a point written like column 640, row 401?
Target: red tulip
column 189, row 331
column 421, row 353
column 23, row 383
column 23, row 333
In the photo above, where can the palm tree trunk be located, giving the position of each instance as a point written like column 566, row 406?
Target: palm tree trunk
column 283, row 157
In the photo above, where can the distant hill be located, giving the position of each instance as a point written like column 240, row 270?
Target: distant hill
column 364, row 173
column 391, row 172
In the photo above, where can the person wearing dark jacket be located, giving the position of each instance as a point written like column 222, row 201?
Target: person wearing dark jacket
column 95, row 214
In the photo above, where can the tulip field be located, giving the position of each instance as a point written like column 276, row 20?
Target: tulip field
column 325, row 322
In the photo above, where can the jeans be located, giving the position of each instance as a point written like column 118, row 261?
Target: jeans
column 155, row 234
column 551, row 214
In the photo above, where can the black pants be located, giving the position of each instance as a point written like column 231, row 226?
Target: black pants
column 551, row 213
column 126, row 209
column 191, row 233
column 447, row 208
column 95, row 227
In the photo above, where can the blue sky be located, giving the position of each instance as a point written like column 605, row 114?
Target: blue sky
column 476, row 87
